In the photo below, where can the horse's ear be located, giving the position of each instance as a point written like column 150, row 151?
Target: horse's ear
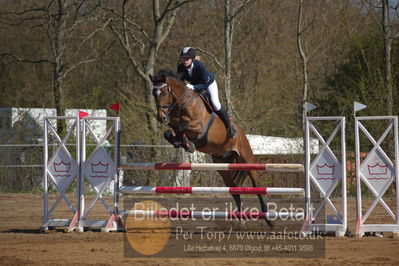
column 151, row 78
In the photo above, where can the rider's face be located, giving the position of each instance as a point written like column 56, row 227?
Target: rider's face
column 187, row 61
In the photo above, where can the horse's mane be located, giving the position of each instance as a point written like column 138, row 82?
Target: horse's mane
column 163, row 74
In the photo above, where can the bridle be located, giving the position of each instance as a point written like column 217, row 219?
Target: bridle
column 171, row 105
column 158, row 92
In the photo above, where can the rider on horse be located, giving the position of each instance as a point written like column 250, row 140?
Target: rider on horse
column 194, row 127
column 198, row 78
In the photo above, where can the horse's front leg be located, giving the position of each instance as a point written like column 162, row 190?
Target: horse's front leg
column 171, row 137
column 187, row 145
column 179, row 139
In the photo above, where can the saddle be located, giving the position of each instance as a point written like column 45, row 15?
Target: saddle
column 206, row 98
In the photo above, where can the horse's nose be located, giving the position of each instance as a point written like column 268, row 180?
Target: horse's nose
column 162, row 119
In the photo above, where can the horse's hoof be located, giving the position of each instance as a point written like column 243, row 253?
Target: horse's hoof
column 177, row 144
column 270, row 224
column 168, row 135
column 189, row 147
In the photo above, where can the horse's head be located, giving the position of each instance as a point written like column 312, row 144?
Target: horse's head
column 163, row 95
column 170, row 94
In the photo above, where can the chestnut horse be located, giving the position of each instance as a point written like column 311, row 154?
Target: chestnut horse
column 188, row 116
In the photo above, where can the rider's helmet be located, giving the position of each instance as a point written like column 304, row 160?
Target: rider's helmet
column 187, row 52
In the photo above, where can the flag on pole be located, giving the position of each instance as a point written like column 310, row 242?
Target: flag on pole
column 82, row 114
column 309, row 107
column 358, row 106
column 116, row 106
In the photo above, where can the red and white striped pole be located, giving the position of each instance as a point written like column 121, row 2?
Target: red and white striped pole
column 272, row 167
column 140, row 214
column 213, row 190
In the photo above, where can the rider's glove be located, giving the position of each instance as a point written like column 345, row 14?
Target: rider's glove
column 191, row 87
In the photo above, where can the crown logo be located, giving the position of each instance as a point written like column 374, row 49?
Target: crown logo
column 99, row 168
column 325, row 169
column 377, row 169
column 62, row 167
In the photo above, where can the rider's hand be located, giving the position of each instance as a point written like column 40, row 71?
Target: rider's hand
column 191, row 87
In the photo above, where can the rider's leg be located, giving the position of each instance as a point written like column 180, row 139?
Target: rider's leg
column 214, row 94
column 220, row 111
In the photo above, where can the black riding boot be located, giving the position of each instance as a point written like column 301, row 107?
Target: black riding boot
column 222, row 113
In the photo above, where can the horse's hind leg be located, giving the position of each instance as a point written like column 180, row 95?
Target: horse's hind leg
column 229, row 182
column 237, row 199
column 229, row 177
column 247, row 156
column 264, row 209
column 254, row 179
column 234, row 179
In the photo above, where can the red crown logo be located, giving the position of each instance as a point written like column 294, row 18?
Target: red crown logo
column 377, row 169
column 99, row 168
column 62, row 167
column 325, row 169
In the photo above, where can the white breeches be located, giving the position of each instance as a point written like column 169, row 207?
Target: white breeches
column 213, row 92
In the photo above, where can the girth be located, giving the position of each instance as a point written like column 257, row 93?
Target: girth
column 202, row 140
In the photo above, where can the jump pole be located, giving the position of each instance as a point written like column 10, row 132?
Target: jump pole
column 212, row 190
column 273, row 167
column 139, row 214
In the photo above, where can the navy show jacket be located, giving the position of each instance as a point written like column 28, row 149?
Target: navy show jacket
column 200, row 77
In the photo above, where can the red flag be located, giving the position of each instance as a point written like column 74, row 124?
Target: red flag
column 116, row 106
column 82, row 114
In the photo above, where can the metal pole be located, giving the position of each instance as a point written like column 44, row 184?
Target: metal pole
column 307, row 177
column 396, row 140
column 79, row 177
column 117, row 161
column 358, row 183
column 45, row 159
column 81, row 162
column 343, row 181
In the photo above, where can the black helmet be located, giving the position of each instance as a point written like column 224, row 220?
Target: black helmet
column 187, row 52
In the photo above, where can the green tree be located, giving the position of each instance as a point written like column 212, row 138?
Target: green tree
column 360, row 78
column 58, row 22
